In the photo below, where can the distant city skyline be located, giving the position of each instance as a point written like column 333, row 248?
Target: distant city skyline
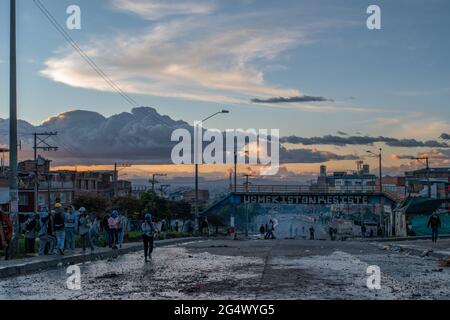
column 309, row 68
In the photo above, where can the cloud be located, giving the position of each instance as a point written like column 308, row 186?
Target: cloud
column 159, row 9
column 364, row 140
column 445, row 136
column 300, row 99
column 201, row 58
column 142, row 136
column 311, row 156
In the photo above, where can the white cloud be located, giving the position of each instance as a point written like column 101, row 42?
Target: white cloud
column 159, row 9
column 206, row 59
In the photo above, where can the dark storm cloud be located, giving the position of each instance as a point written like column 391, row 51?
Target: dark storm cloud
column 311, row 156
column 363, row 140
column 445, row 136
column 301, row 99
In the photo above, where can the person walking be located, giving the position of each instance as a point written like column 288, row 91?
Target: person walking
column 71, row 225
column 94, row 231
column 113, row 227
column 60, row 232
column 311, row 233
column 31, row 231
column 122, row 228
column 51, row 245
column 6, row 233
column 434, row 223
column 148, row 235
column 83, row 228
column 105, row 228
column 363, row 230
column 44, row 240
column 270, row 230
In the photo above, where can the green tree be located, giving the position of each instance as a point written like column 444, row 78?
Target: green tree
column 131, row 205
column 92, row 202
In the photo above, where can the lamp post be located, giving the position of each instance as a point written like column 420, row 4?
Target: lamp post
column 380, row 158
column 247, row 183
column 196, row 146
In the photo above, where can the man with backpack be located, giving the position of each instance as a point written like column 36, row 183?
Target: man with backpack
column 434, row 223
column 60, row 233
column 6, row 233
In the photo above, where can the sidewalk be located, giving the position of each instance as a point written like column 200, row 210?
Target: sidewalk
column 13, row 268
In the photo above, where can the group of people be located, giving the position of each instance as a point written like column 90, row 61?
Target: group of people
column 57, row 230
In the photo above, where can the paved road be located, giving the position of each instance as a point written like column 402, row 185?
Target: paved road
column 257, row 269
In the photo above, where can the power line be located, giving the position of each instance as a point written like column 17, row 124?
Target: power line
column 83, row 55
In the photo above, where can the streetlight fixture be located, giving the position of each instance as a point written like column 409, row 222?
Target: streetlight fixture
column 195, row 157
column 380, row 158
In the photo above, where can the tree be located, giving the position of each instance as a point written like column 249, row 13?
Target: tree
column 92, row 202
column 131, row 205
column 156, row 205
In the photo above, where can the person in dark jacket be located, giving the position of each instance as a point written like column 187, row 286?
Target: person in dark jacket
column 434, row 223
column 148, row 234
column 60, row 232
column 31, row 231
column 311, row 233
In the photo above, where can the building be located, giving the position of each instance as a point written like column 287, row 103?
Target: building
column 396, row 186
column 437, row 179
column 52, row 186
column 64, row 185
column 359, row 179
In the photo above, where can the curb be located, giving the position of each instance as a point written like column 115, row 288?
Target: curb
column 50, row 262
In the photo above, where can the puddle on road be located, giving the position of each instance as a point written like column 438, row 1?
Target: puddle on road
column 173, row 274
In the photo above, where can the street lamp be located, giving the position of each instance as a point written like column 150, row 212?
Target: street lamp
column 247, row 184
column 380, row 157
column 195, row 157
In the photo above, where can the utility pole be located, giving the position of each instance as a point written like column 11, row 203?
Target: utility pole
column 40, row 143
column 163, row 188
column 247, row 183
column 235, row 170
column 153, row 180
column 116, row 175
column 13, row 174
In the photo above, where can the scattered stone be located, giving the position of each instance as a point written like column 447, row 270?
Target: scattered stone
column 426, row 253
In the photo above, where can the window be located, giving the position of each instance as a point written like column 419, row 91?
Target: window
column 23, row 200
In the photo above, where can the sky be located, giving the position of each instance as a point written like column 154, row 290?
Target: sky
column 190, row 58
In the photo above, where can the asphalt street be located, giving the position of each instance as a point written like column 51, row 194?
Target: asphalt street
column 248, row 269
